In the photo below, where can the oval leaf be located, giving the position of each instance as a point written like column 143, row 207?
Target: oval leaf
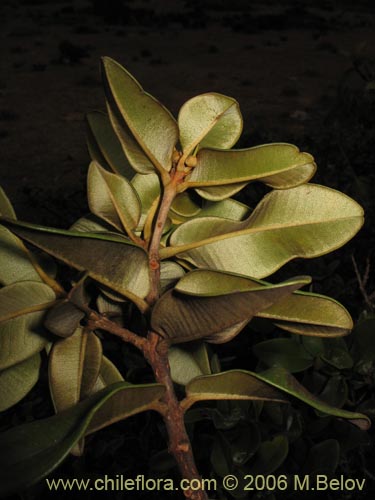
column 107, row 258
column 200, row 308
column 277, row 165
column 188, row 362
column 151, row 125
column 17, row 381
column 306, row 221
column 113, row 198
column 310, row 314
column 211, row 121
column 104, row 146
column 284, row 352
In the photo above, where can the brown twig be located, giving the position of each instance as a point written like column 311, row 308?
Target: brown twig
column 362, row 282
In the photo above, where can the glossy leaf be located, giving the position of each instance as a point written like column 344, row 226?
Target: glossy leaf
column 188, row 361
column 209, row 121
column 16, row 381
column 151, row 125
column 305, row 221
column 234, row 384
column 208, row 304
column 283, row 380
column 108, row 258
column 35, row 449
column 280, row 166
column 23, row 336
column 15, row 260
column 104, row 146
column 287, row 353
column 310, row 314
column 6, row 207
column 112, row 198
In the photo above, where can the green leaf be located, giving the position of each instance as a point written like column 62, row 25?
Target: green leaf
column 234, row 384
column 208, row 304
column 281, row 379
column 188, row 361
column 310, row 314
column 151, row 125
column 108, row 375
column 229, row 209
column 23, row 307
column 148, row 190
column 90, row 223
column 6, row 208
column 218, row 193
column 270, row 455
column 112, row 198
column 108, row 258
column 305, row 221
column 170, row 273
column 23, row 298
column 104, row 146
column 323, row 458
column 37, row 448
column 287, row 353
column 15, row 260
column 277, row 165
column 63, row 319
column 211, row 121
column 16, row 381
column 74, row 365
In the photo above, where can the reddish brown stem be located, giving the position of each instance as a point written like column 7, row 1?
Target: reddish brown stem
column 179, row 445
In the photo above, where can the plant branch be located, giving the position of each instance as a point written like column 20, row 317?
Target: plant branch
column 179, row 445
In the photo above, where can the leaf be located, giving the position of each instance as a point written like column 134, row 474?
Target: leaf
column 170, row 273
column 90, row 223
column 113, row 198
column 287, row 353
column 22, row 336
column 108, row 258
column 132, row 150
column 233, row 384
column 209, row 120
column 307, row 313
column 63, row 319
column 151, row 125
column 6, row 208
column 108, row 375
column 74, row 365
column 229, row 209
column 277, row 165
column 15, row 261
column 188, row 361
column 120, row 406
column 23, row 298
column 218, row 193
column 208, row 304
column 323, row 458
column 281, row 379
column 37, row 448
column 16, row 381
column 305, row 221
column 104, row 146
column 270, row 455
column 148, row 190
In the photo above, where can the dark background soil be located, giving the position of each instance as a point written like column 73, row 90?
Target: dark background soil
column 303, row 72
